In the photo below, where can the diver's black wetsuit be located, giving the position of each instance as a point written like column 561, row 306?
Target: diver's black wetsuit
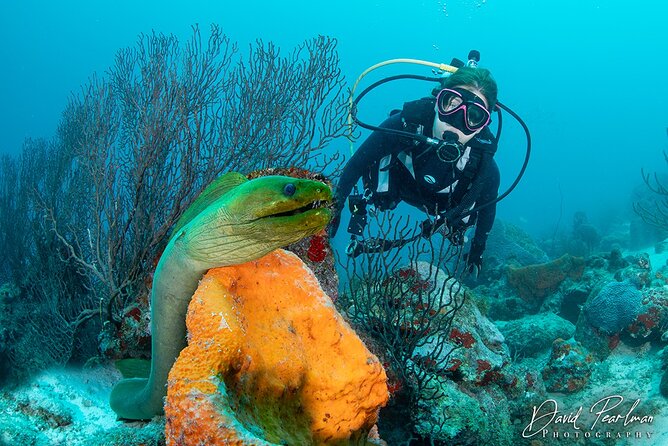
column 395, row 169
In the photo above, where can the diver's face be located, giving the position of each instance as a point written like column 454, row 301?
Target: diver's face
column 440, row 126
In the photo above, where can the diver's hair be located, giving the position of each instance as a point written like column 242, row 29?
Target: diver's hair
column 481, row 78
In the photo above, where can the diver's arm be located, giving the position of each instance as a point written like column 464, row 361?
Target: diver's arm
column 375, row 147
column 486, row 215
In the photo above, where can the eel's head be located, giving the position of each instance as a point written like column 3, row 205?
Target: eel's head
column 258, row 217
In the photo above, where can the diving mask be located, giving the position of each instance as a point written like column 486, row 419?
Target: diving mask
column 462, row 109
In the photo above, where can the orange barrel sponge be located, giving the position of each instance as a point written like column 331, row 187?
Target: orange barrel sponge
column 271, row 362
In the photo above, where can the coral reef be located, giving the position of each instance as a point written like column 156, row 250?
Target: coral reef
column 399, row 310
column 464, row 417
column 598, row 343
column 457, row 408
column 34, row 335
column 502, row 304
column 637, row 271
column 599, row 270
column 615, row 306
column 269, row 360
column 616, row 260
column 131, row 336
column 316, row 253
column 533, row 334
column 509, row 245
column 456, row 364
column 628, row 373
column 473, row 352
column 653, row 319
column 474, row 348
column 534, row 282
column 569, row 367
column 464, row 374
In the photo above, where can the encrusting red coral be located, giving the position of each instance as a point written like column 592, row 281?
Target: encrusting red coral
column 270, row 361
column 462, row 337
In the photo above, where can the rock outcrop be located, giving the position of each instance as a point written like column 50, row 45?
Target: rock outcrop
column 532, row 335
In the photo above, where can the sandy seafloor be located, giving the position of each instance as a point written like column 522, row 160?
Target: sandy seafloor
column 70, row 407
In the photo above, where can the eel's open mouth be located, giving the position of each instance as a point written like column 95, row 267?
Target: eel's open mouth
column 318, row 204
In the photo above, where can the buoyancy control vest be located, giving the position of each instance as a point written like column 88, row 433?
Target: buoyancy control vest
column 418, row 175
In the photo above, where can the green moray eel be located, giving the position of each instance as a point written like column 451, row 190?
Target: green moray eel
column 233, row 221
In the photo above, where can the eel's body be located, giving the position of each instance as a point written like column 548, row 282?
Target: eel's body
column 232, row 222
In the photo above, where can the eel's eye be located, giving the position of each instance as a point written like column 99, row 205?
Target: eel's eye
column 289, row 189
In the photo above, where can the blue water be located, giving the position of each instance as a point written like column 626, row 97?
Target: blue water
column 587, row 76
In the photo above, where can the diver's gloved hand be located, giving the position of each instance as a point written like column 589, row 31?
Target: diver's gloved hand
column 426, row 228
column 429, row 227
column 456, row 236
column 473, row 262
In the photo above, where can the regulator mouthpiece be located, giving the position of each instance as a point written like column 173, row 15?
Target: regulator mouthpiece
column 450, row 150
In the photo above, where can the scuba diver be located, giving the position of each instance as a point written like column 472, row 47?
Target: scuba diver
column 436, row 154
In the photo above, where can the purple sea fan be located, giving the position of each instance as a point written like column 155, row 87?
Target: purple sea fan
column 616, row 306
